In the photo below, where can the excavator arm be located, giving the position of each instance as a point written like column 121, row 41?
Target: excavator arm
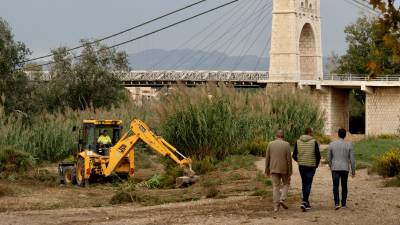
column 140, row 131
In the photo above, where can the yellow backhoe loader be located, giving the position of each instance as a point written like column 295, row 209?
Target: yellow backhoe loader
column 96, row 160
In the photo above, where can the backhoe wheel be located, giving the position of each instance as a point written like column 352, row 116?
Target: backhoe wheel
column 80, row 173
column 69, row 177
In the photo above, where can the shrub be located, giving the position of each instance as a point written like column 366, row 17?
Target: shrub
column 323, row 139
column 388, row 136
column 263, row 179
column 43, row 175
column 263, row 193
column 235, row 162
column 154, row 182
column 13, row 160
column 388, row 165
column 121, row 197
column 212, row 192
column 256, row 147
column 203, row 166
column 168, row 178
column 366, row 151
column 395, row 182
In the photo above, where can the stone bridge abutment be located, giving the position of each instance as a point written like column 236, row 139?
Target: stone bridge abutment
column 296, row 57
column 382, row 108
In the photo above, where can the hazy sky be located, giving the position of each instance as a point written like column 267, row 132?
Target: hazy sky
column 46, row 24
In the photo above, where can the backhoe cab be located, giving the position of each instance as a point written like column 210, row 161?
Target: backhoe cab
column 94, row 160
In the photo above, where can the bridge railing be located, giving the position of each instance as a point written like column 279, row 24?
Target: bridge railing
column 229, row 76
column 194, row 75
column 175, row 75
column 360, row 77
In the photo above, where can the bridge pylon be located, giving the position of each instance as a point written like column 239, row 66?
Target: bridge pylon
column 296, row 52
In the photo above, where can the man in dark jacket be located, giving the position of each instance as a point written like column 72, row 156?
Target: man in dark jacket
column 306, row 154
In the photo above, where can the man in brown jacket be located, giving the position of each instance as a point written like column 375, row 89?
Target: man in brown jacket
column 278, row 165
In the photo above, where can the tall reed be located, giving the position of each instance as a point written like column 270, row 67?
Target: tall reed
column 215, row 122
column 49, row 137
column 206, row 122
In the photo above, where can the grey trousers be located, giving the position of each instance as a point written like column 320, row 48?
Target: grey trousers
column 280, row 187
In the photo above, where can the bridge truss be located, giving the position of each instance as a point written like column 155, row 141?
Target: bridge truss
column 245, row 79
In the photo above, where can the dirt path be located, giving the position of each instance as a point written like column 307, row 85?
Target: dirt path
column 369, row 204
column 368, row 201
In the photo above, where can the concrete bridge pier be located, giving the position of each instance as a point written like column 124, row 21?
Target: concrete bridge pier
column 382, row 110
column 334, row 103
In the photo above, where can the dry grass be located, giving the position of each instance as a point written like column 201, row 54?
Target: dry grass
column 235, row 176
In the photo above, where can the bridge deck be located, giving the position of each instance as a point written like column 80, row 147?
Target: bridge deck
column 245, row 79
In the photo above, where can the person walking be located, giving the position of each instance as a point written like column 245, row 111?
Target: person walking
column 306, row 153
column 341, row 159
column 278, row 165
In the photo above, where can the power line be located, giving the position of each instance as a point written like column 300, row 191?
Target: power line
column 157, row 31
column 121, row 32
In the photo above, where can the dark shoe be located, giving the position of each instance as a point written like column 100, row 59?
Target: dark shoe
column 337, row 207
column 344, row 207
column 308, row 206
column 303, row 206
column 282, row 203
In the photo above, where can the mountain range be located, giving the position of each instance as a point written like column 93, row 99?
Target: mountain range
column 187, row 59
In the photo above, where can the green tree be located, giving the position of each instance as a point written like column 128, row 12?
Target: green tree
column 388, row 25
column 366, row 47
column 88, row 80
column 15, row 91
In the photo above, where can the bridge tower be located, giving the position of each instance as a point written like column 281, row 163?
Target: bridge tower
column 296, row 52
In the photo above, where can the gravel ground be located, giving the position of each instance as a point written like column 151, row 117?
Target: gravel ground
column 369, row 204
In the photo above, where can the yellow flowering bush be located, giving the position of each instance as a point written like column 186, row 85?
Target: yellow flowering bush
column 388, row 165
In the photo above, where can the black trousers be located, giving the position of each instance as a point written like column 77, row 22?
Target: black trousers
column 340, row 177
column 307, row 176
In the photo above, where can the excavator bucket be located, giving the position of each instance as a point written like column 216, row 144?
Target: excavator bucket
column 186, row 181
column 189, row 178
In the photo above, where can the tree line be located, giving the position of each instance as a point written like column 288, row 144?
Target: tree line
column 78, row 82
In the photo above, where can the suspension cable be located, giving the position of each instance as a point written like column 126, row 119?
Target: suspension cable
column 183, row 60
column 229, row 15
column 243, row 25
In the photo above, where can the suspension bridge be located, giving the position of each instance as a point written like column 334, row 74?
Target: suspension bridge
column 290, row 33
